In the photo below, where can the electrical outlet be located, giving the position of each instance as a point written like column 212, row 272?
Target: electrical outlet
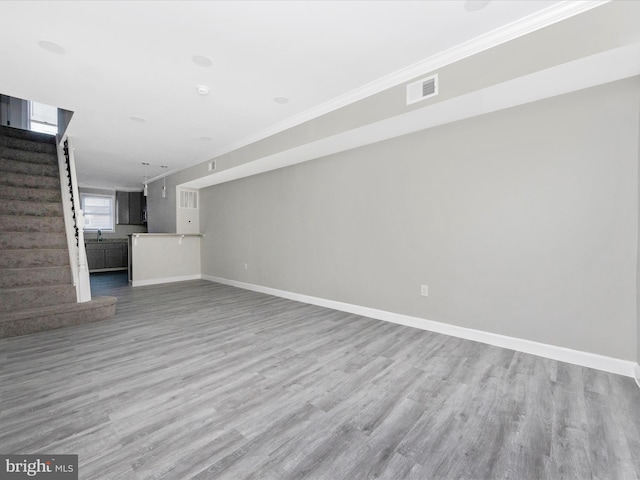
column 424, row 290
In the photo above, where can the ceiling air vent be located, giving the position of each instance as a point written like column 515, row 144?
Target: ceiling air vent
column 422, row 89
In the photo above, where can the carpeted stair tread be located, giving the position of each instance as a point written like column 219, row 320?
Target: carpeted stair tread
column 18, row 298
column 27, row 145
column 35, row 276
column 29, row 258
column 29, row 181
column 33, row 320
column 31, row 194
column 28, row 135
column 27, row 168
column 32, row 240
column 26, row 223
column 31, row 209
column 48, row 158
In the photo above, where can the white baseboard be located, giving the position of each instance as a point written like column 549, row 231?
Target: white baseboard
column 576, row 357
column 156, row 281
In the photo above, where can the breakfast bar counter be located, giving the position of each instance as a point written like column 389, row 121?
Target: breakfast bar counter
column 163, row 257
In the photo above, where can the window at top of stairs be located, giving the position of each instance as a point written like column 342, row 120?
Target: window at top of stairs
column 43, row 118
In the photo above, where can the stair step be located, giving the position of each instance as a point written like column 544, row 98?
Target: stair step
column 32, row 194
column 37, row 158
column 32, row 240
column 37, row 276
column 26, row 139
column 28, row 181
column 32, row 209
column 28, row 258
column 33, row 320
column 19, row 223
column 28, row 168
column 19, row 298
column 28, row 145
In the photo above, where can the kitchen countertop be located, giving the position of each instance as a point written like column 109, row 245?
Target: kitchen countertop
column 107, row 240
column 166, row 234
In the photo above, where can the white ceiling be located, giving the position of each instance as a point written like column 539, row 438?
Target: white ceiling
column 125, row 59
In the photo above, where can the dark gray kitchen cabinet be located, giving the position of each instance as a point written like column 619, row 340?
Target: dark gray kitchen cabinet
column 95, row 258
column 122, row 203
column 135, row 208
column 108, row 255
column 115, row 256
column 131, row 208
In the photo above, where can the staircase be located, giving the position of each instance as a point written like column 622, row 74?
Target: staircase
column 36, row 285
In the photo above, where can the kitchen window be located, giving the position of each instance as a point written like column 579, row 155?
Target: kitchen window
column 99, row 211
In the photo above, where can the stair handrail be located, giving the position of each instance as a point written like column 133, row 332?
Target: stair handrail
column 73, row 220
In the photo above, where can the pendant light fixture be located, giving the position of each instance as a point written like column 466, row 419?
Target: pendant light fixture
column 164, row 183
column 145, row 190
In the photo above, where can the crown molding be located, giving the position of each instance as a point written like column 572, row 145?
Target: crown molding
column 536, row 21
column 587, row 72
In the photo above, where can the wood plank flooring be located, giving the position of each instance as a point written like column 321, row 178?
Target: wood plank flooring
column 197, row 380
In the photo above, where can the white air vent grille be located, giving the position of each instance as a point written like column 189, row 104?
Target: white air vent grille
column 422, row 89
column 188, row 199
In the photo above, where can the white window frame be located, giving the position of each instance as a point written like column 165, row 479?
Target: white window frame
column 112, row 214
column 42, row 127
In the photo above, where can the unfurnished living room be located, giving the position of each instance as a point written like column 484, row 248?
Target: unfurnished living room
column 320, row 239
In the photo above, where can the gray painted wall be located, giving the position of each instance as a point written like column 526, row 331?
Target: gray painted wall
column 522, row 223
column 161, row 212
column 4, row 110
column 14, row 112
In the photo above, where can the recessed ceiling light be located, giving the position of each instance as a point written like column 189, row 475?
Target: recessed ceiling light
column 202, row 90
column 137, row 119
column 475, row 5
column 51, row 47
column 202, row 61
column 281, row 100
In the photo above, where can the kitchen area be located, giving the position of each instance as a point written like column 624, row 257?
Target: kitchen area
column 110, row 217
column 117, row 240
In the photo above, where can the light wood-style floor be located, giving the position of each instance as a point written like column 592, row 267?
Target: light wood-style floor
column 198, row 380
